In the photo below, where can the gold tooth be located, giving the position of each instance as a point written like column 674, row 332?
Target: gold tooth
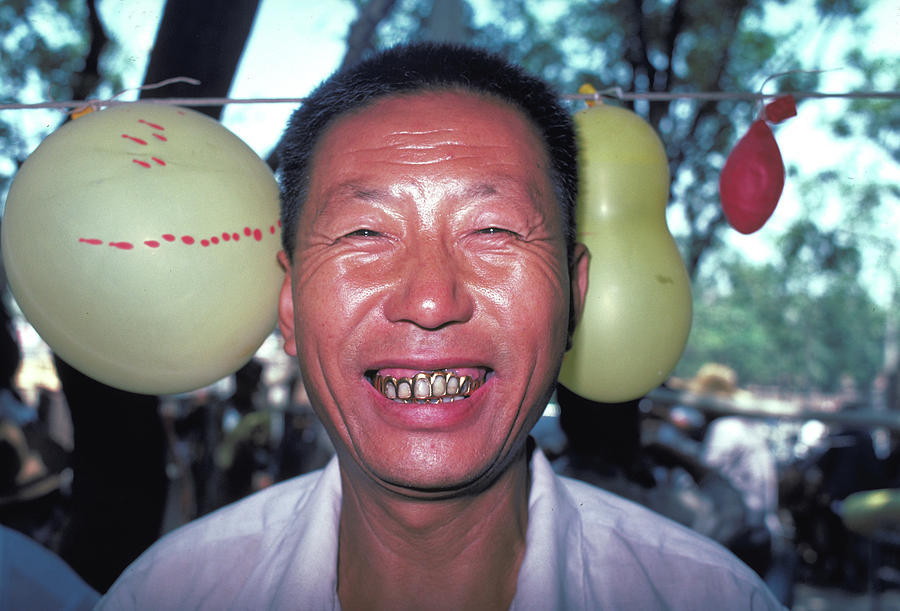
column 390, row 390
column 438, row 385
column 421, row 386
column 404, row 389
column 400, row 387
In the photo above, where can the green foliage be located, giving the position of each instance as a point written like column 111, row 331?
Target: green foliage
column 775, row 328
column 877, row 119
column 40, row 46
column 42, row 53
column 807, row 320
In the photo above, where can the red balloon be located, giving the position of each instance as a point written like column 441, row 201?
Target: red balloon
column 752, row 179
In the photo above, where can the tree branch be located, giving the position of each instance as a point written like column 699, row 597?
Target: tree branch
column 640, row 56
column 85, row 82
column 677, row 22
column 359, row 37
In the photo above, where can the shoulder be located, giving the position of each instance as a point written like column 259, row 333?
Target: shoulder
column 660, row 560
column 213, row 559
column 606, row 516
column 632, row 557
column 246, row 518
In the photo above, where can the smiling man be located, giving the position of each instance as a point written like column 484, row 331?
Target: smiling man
column 432, row 283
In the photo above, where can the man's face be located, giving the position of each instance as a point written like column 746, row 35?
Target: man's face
column 430, row 241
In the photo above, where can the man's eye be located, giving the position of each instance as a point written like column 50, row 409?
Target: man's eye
column 363, row 233
column 496, row 231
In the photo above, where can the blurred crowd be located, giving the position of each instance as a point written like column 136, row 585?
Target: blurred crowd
column 769, row 489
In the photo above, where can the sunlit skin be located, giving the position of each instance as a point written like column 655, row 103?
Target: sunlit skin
column 430, row 240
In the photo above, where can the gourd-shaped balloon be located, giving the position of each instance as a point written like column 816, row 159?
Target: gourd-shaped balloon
column 638, row 311
column 140, row 241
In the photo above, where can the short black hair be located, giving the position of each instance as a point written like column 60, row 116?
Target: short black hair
column 425, row 67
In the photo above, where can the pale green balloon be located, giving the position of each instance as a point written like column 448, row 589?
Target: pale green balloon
column 140, row 241
column 637, row 316
column 870, row 511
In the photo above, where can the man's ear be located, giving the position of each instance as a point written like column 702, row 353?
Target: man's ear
column 286, row 307
column 578, row 279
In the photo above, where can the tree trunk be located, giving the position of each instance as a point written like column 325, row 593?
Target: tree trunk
column 200, row 40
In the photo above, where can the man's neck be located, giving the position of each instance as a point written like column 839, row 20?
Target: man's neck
column 460, row 553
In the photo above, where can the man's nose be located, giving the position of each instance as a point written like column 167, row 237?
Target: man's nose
column 431, row 290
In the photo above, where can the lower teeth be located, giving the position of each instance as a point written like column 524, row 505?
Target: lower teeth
column 431, row 401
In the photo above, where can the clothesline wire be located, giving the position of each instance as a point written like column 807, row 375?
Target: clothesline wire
column 614, row 94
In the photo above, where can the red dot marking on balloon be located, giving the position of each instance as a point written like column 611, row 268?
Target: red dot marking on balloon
column 142, row 142
column 189, row 240
column 133, row 139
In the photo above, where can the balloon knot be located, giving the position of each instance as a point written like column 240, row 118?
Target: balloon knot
column 589, row 89
column 781, row 108
column 83, row 110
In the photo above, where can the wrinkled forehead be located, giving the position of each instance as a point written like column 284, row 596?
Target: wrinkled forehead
column 422, row 109
column 442, row 96
column 436, row 130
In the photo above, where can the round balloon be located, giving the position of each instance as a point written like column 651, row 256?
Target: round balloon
column 869, row 512
column 140, row 241
column 638, row 310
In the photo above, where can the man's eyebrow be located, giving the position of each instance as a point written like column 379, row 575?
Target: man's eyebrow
column 503, row 186
column 352, row 190
column 499, row 184
column 480, row 191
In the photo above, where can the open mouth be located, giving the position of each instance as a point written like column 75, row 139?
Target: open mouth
column 440, row 386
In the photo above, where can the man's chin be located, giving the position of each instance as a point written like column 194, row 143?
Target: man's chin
column 430, row 484
column 439, row 477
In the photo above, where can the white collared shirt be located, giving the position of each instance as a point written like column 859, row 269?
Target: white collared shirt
column 585, row 549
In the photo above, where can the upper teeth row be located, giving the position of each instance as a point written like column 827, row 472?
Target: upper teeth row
column 424, row 385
